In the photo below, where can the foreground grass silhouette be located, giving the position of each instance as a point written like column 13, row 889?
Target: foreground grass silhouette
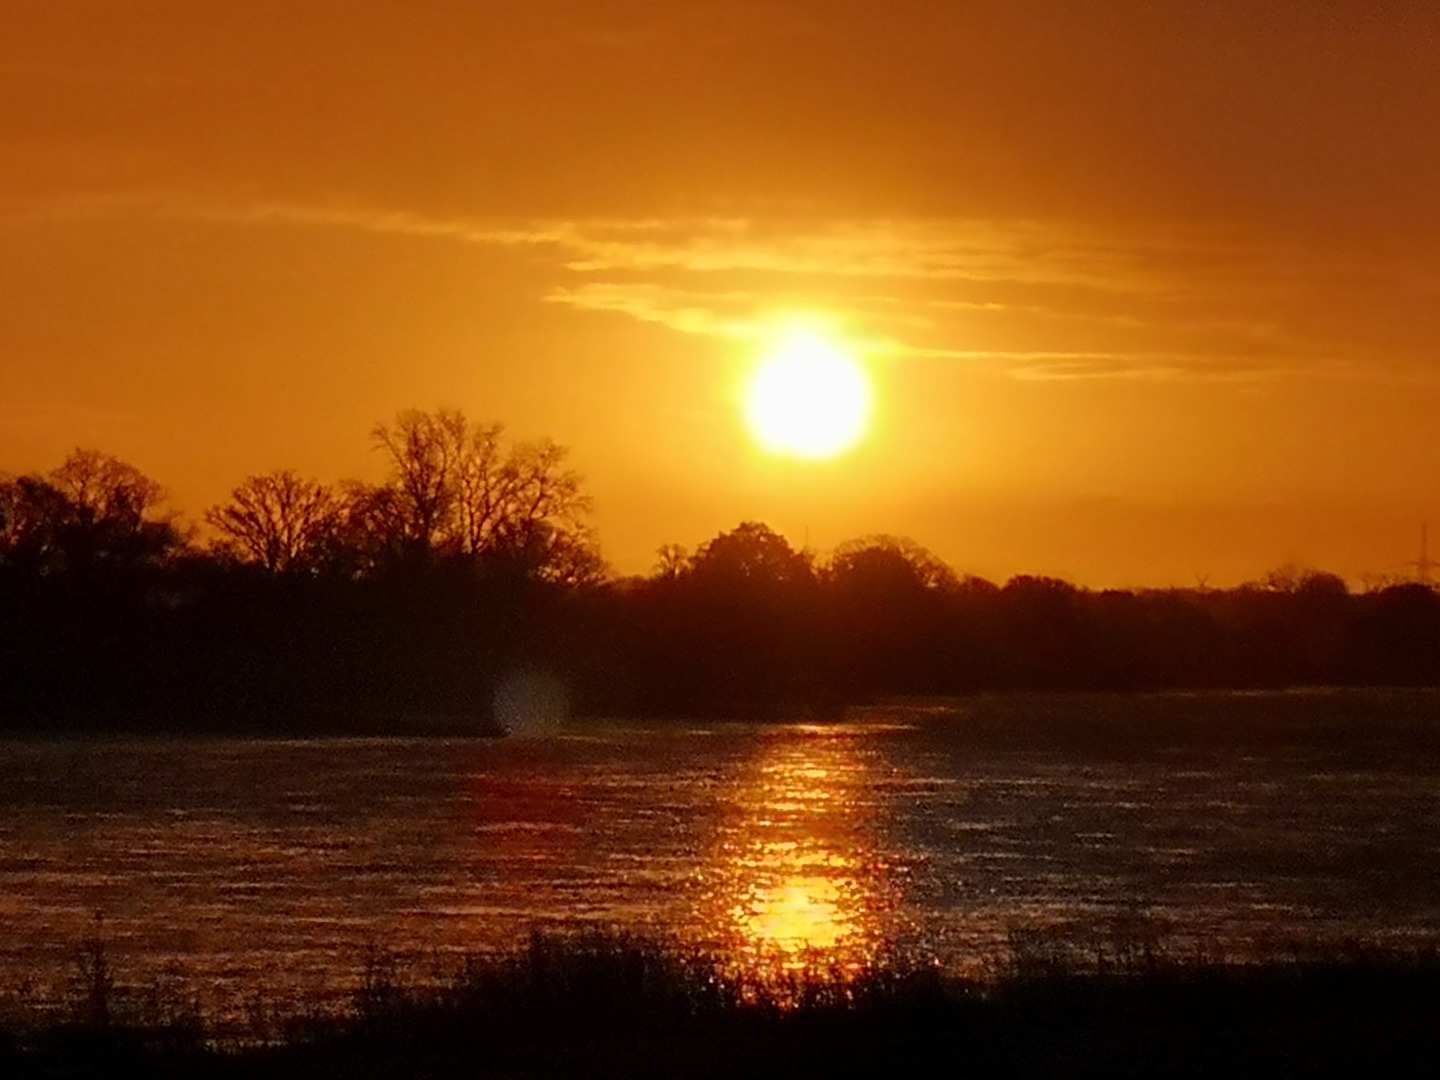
column 597, row 1005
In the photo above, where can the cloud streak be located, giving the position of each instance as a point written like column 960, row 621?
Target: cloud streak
column 1044, row 300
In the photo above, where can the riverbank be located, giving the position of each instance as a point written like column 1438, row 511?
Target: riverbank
column 603, row 1006
column 290, row 722
column 1069, row 718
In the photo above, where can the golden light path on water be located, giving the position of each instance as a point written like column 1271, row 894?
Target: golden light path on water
column 795, row 878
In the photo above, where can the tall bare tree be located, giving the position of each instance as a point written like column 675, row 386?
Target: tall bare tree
column 103, row 488
column 425, row 449
column 458, row 488
column 280, row 520
column 541, row 495
column 485, row 484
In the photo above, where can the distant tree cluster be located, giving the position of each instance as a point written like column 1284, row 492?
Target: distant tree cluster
column 748, row 623
column 93, row 513
column 304, row 602
column 372, row 606
column 455, row 490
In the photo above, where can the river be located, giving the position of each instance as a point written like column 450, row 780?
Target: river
column 237, row 869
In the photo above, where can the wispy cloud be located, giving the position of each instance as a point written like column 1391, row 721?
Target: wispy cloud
column 689, row 313
column 979, row 251
column 879, row 250
column 1045, row 300
column 46, row 415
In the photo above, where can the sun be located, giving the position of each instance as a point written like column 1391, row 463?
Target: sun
column 809, row 399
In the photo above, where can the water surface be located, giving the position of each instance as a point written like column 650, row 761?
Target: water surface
column 240, row 867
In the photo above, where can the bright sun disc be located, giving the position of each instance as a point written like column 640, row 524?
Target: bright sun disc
column 809, row 399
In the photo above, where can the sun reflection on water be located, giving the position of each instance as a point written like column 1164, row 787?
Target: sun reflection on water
column 795, row 879
column 800, row 914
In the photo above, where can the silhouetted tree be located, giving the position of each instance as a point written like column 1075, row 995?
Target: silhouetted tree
column 671, row 560
column 1398, row 632
column 884, row 562
column 456, row 488
column 33, row 513
column 370, row 530
column 537, row 499
column 887, row 598
column 88, row 577
column 280, row 521
column 734, row 631
column 1043, row 633
column 751, row 556
column 424, row 450
column 572, row 558
column 9, row 518
column 104, row 488
column 475, row 556
column 1292, row 579
column 92, row 513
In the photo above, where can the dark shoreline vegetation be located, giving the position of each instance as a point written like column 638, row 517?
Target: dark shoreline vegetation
column 404, row 606
column 597, row 1004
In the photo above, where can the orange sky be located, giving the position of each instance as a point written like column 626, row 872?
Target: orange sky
column 1149, row 290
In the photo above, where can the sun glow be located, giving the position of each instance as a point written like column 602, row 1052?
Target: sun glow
column 810, row 399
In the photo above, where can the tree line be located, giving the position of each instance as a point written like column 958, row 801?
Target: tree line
column 404, row 603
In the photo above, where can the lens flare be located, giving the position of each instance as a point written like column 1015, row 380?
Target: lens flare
column 530, row 703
